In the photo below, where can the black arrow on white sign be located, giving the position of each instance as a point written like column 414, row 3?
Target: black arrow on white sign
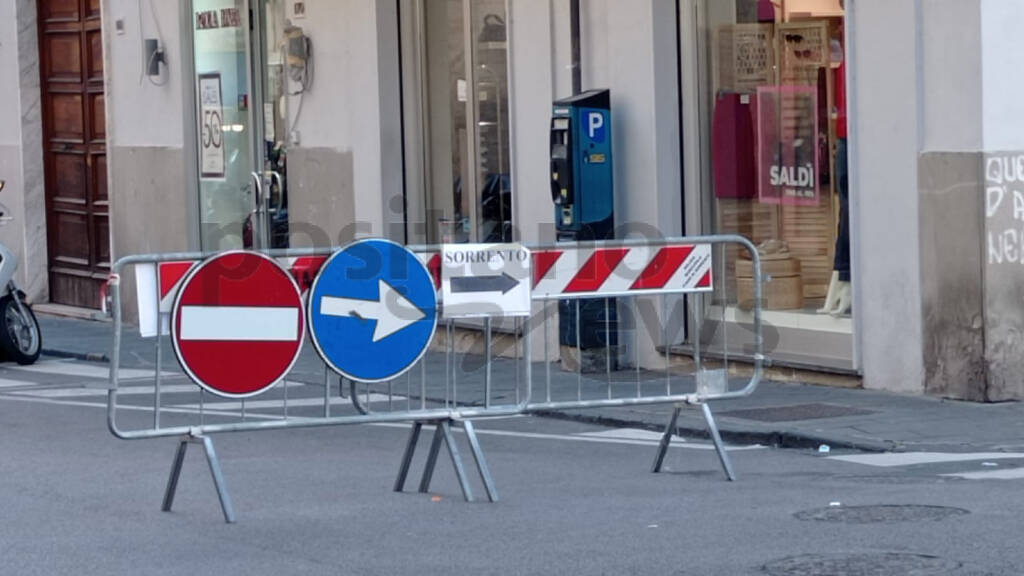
column 480, row 284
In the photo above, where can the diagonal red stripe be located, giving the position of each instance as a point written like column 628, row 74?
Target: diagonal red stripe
column 596, row 270
column 662, row 267
column 705, row 282
column 305, row 270
column 434, row 267
column 170, row 274
column 543, row 262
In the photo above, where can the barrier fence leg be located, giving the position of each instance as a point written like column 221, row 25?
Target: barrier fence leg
column 172, row 481
column 666, row 439
column 723, row 456
column 215, row 471
column 428, row 469
column 218, row 481
column 453, row 451
column 410, row 450
column 481, row 462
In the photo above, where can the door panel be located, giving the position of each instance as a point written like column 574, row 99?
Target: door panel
column 56, row 10
column 74, row 131
column 239, row 67
column 273, row 149
column 95, row 60
column 224, row 104
column 65, row 61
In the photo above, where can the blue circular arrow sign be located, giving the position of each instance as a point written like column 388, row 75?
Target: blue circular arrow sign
column 372, row 311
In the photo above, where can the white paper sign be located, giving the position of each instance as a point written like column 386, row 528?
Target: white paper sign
column 211, row 127
column 146, row 293
column 482, row 280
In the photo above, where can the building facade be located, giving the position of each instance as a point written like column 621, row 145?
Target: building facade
column 871, row 148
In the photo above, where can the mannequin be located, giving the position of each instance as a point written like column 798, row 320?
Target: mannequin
column 839, row 301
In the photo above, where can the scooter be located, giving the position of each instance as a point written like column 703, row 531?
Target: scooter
column 20, row 338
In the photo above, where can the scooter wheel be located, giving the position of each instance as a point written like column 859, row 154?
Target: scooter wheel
column 20, row 337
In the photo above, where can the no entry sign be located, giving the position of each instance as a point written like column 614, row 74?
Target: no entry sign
column 238, row 324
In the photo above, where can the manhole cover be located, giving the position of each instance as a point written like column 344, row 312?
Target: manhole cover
column 795, row 412
column 885, row 564
column 879, row 514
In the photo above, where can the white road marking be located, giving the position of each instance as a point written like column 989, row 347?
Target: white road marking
column 584, row 437
column 627, row 434
column 16, row 383
column 103, row 405
column 1007, row 474
column 95, row 392
column 85, row 370
column 123, row 391
column 239, row 324
column 894, row 459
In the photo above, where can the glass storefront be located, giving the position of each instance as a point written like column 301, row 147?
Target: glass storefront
column 245, row 66
column 463, row 51
column 775, row 165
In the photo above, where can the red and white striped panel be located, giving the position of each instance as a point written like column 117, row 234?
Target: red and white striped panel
column 304, row 270
column 170, row 276
column 637, row 270
column 683, row 268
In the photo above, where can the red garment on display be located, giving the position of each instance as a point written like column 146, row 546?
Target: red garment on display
column 733, row 146
column 841, row 128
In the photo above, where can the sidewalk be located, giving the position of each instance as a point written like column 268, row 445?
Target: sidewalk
column 781, row 414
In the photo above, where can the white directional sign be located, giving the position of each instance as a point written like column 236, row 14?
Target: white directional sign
column 480, row 280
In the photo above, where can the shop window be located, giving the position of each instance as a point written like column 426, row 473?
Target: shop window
column 456, row 55
column 776, row 120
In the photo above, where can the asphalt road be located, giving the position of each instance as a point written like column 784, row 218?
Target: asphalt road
column 575, row 499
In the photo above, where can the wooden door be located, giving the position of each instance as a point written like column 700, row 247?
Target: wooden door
column 74, row 141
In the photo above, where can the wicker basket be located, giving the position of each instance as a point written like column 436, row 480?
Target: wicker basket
column 783, row 285
column 803, row 45
column 746, row 57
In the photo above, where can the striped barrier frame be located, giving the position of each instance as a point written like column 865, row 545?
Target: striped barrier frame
column 637, row 270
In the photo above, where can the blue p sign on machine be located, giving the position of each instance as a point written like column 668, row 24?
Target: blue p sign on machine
column 372, row 311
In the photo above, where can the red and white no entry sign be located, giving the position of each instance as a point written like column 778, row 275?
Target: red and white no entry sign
column 238, row 324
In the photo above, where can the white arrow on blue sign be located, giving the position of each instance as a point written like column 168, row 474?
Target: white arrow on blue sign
column 372, row 311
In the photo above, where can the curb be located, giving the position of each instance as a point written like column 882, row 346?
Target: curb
column 87, row 357
column 776, row 438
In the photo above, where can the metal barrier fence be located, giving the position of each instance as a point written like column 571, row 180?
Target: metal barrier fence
column 490, row 377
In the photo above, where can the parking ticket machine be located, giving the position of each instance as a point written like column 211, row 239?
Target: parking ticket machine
column 583, row 192
column 582, row 185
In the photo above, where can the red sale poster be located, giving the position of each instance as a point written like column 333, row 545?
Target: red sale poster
column 787, row 145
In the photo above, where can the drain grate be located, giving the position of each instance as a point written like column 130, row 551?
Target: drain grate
column 884, row 514
column 796, row 412
column 885, row 564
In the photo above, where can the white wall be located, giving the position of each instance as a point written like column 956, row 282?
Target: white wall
column 21, row 163
column 884, row 192
column 1001, row 22
column 10, row 108
column 631, row 49
column 531, row 92
column 139, row 113
column 353, row 105
column 952, row 74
